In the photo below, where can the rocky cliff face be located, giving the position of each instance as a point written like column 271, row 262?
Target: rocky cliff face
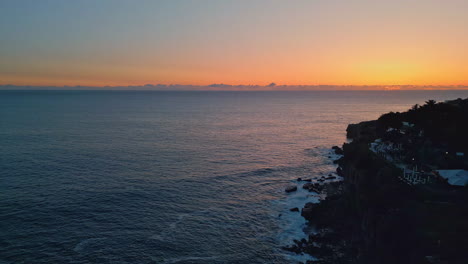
column 377, row 219
column 375, row 201
column 362, row 131
column 387, row 221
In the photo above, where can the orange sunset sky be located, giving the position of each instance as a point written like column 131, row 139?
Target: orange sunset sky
column 297, row 42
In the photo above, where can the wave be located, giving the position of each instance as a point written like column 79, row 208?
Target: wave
column 197, row 258
column 165, row 234
column 85, row 243
column 293, row 226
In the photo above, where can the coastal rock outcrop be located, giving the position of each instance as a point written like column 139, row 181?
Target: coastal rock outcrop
column 382, row 219
column 306, row 180
column 290, row 189
column 362, row 131
column 373, row 216
column 337, row 150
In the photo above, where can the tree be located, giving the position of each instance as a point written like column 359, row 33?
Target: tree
column 430, row 103
column 415, row 107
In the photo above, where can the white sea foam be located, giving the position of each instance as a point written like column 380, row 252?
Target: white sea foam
column 180, row 259
column 293, row 225
column 85, row 243
column 167, row 232
column 197, row 258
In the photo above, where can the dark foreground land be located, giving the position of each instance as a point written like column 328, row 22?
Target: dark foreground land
column 377, row 216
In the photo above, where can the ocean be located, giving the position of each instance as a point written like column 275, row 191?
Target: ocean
column 169, row 177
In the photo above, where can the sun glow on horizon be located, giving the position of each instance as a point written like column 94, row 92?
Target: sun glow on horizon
column 118, row 43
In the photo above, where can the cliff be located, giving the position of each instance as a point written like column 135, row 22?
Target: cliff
column 378, row 204
column 392, row 222
column 380, row 219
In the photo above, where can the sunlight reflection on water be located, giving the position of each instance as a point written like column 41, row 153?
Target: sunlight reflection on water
column 181, row 177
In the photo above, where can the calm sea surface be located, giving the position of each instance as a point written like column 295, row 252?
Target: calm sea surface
column 167, row 177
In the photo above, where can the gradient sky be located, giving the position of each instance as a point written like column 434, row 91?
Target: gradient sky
column 135, row 42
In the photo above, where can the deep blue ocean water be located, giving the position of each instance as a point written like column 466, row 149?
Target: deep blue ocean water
column 168, row 177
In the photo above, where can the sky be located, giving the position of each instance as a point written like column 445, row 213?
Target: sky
column 235, row 42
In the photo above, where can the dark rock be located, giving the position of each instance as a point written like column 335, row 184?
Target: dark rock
column 295, row 209
column 308, row 210
column 319, row 251
column 300, row 243
column 364, row 130
column 339, row 171
column 308, row 186
column 306, row 180
column 337, row 150
column 339, row 161
column 292, row 248
column 291, row 188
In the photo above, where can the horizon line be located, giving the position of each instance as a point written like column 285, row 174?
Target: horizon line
column 229, row 87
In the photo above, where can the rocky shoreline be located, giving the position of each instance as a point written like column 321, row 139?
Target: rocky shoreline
column 372, row 216
column 322, row 243
column 354, row 211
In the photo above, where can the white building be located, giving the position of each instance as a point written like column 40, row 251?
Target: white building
column 454, row 177
column 407, row 124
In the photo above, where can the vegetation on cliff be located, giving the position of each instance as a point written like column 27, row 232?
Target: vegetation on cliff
column 444, row 127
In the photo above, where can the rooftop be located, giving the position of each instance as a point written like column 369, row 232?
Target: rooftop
column 455, row 177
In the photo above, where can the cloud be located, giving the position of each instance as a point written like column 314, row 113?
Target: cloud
column 219, row 85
